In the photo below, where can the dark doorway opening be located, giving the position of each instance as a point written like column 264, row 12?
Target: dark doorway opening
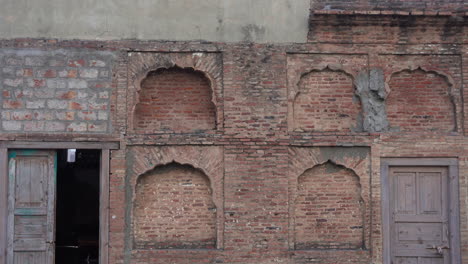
column 77, row 213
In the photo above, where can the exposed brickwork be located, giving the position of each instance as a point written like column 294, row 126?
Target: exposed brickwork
column 386, row 28
column 254, row 157
column 58, row 91
column 420, row 101
column 430, row 5
column 437, row 82
column 173, row 208
column 321, row 91
column 201, row 78
column 328, row 209
column 175, row 100
column 347, row 164
column 174, row 205
column 326, row 102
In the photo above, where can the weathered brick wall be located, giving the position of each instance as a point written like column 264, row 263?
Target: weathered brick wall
column 55, row 91
column 433, row 5
column 173, row 208
column 176, row 100
column 322, row 91
column 398, row 27
column 254, row 158
column 326, row 102
column 329, row 213
column 189, row 84
column 420, row 101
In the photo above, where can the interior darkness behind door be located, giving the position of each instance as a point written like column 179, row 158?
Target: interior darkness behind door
column 77, row 222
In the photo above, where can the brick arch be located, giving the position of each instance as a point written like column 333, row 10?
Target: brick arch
column 174, row 99
column 412, row 67
column 142, row 173
column 318, row 108
column 329, row 208
column 174, row 208
column 142, row 63
column 433, row 106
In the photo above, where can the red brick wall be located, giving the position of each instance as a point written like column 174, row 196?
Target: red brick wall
column 326, row 102
column 173, row 208
column 437, row 5
column 328, row 209
column 420, row 101
column 254, row 171
column 175, row 100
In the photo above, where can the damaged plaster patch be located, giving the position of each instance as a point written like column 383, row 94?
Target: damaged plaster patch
column 370, row 86
column 253, row 32
column 342, row 153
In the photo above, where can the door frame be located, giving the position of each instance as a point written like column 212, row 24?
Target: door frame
column 453, row 196
column 105, row 148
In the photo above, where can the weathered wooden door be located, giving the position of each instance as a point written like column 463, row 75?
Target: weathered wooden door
column 419, row 211
column 31, row 207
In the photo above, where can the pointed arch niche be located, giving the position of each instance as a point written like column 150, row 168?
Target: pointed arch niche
column 174, row 92
column 424, row 92
column 326, row 102
column 420, row 100
column 329, row 198
column 329, row 211
column 322, row 94
column 174, row 208
column 177, row 197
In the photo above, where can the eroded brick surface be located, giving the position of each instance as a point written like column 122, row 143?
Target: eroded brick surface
column 397, row 5
column 173, row 208
column 175, row 100
column 420, row 101
column 326, row 102
column 328, row 209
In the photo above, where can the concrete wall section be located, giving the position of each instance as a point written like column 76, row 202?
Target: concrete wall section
column 211, row 20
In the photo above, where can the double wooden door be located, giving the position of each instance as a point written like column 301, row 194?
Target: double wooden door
column 420, row 226
column 31, row 207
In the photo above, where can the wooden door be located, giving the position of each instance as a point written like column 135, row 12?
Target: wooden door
column 419, row 211
column 31, row 207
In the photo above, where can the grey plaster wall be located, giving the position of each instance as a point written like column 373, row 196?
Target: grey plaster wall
column 211, row 20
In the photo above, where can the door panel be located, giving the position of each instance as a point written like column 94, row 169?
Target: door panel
column 419, row 215
column 31, row 207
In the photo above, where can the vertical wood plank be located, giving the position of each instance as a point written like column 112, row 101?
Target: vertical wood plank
column 104, row 208
column 51, row 205
column 454, row 215
column 29, row 242
column 385, row 203
column 3, row 203
column 11, row 206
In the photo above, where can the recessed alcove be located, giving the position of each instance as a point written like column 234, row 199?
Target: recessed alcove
column 420, row 100
column 326, row 102
column 174, row 208
column 329, row 209
column 174, row 100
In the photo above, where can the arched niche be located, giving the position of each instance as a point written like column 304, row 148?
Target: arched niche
column 173, row 208
column 140, row 64
column 329, row 209
column 325, row 101
column 174, row 99
column 420, row 100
